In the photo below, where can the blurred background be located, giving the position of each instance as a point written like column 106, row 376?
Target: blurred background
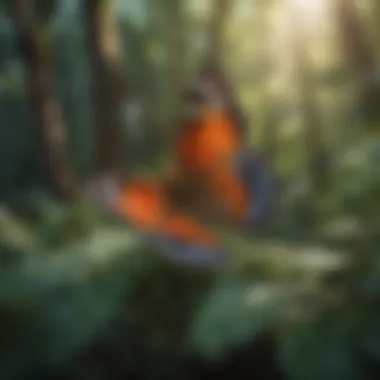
column 88, row 86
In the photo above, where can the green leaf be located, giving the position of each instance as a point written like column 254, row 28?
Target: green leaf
column 323, row 348
column 71, row 294
column 234, row 312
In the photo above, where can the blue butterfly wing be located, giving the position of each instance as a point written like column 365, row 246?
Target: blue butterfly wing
column 191, row 254
column 259, row 181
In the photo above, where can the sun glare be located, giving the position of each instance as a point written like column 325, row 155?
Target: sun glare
column 307, row 17
column 307, row 6
column 309, row 14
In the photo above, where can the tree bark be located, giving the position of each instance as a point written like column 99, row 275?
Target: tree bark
column 317, row 162
column 179, row 59
column 219, row 17
column 269, row 104
column 46, row 105
column 108, row 85
column 356, row 44
column 361, row 57
column 213, row 65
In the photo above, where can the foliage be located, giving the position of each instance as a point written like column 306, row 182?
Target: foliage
column 70, row 274
column 61, row 296
column 69, row 271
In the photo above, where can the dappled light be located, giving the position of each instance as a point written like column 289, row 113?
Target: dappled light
column 190, row 189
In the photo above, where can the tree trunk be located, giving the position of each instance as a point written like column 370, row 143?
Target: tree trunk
column 46, row 105
column 108, row 85
column 220, row 13
column 269, row 104
column 213, row 65
column 179, row 59
column 317, row 162
column 375, row 10
column 361, row 58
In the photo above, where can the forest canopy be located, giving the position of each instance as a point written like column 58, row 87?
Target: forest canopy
column 93, row 94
